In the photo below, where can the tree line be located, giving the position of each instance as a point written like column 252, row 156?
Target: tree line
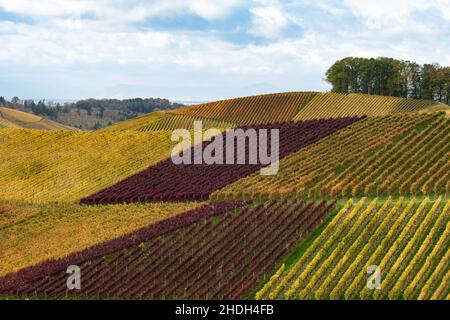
column 91, row 113
column 390, row 77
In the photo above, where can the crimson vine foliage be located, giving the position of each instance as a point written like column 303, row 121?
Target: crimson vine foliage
column 167, row 181
column 221, row 256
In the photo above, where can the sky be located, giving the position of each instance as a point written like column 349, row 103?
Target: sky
column 203, row 50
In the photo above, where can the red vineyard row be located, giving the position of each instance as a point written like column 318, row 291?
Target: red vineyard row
column 219, row 257
column 18, row 281
column 167, row 181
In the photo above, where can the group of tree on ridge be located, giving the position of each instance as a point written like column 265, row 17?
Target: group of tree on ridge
column 390, row 77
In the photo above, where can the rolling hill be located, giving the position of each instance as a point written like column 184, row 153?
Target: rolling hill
column 278, row 107
column 15, row 119
column 363, row 183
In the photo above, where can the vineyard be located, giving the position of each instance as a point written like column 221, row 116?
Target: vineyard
column 44, row 167
column 200, row 259
column 137, row 123
column 362, row 186
column 172, row 122
column 261, row 109
column 32, row 233
column 331, row 105
column 167, row 181
column 403, row 155
column 4, row 123
column 407, row 239
column 11, row 118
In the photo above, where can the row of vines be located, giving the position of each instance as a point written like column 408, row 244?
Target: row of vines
column 167, row 181
column 406, row 239
column 217, row 252
column 407, row 154
column 42, row 167
column 172, row 122
column 261, row 109
column 31, row 233
column 343, row 105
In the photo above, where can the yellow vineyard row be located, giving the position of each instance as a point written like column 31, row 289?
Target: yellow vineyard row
column 34, row 233
column 405, row 242
column 400, row 154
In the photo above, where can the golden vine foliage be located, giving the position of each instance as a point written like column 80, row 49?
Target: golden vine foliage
column 267, row 108
column 4, row 123
column 181, row 121
column 42, row 167
column 54, row 231
column 400, row 154
column 394, row 235
column 333, row 105
column 138, row 122
column 10, row 214
column 16, row 119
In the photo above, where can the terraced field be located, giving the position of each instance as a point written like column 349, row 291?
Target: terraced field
column 168, row 181
column 201, row 259
column 407, row 239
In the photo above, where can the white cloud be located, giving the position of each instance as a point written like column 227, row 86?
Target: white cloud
column 381, row 13
column 120, row 10
column 210, row 9
column 113, row 56
column 444, row 6
column 48, row 7
column 267, row 21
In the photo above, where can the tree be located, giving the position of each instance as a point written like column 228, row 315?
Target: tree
column 390, row 77
column 15, row 101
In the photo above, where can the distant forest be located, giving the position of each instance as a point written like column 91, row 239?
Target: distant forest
column 390, row 77
column 91, row 114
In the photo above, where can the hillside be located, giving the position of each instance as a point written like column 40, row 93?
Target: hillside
column 362, row 181
column 66, row 166
column 30, row 234
column 11, row 118
column 343, row 105
column 376, row 156
column 279, row 107
column 270, row 108
column 404, row 237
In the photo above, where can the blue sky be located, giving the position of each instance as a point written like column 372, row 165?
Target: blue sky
column 204, row 49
